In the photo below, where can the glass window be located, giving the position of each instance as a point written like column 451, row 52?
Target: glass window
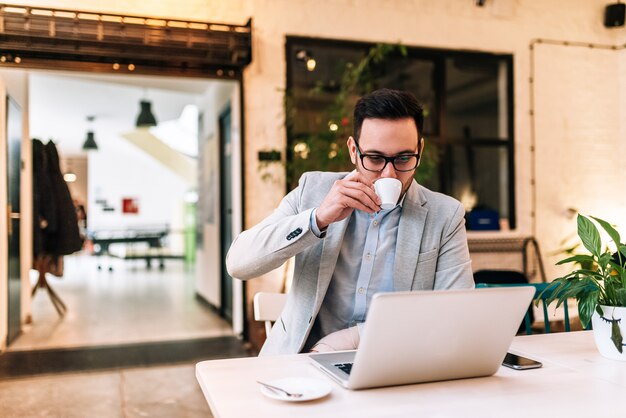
column 467, row 107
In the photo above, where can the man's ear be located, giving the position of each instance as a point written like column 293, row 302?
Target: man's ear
column 352, row 149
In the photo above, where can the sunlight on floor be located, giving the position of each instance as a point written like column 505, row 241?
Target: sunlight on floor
column 127, row 305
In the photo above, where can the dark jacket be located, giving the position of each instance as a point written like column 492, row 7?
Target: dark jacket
column 55, row 228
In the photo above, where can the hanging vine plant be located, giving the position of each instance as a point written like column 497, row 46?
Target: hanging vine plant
column 324, row 149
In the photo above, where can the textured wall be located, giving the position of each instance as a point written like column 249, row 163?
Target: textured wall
column 580, row 154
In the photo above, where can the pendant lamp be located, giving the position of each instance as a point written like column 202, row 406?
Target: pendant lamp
column 145, row 118
column 90, row 142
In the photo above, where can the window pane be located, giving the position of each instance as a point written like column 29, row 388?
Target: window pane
column 476, row 98
column 416, row 75
column 466, row 125
column 313, row 92
column 479, row 178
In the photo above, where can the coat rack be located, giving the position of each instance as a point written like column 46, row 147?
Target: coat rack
column 43, row 265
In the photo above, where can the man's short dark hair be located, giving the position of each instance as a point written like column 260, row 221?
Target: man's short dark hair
column 388, row 104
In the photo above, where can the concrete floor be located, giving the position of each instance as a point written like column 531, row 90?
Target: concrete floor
column 131, row 304
column 166, row 391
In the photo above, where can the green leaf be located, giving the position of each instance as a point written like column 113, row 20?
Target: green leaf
column 552, row 291
column 587, row 303
column 622, row 249
column 620, row 295
column 616, row 336
column 609, row 230
column 589, row 235
column 587, row 273
column 603, row 260
column 621, row 271
column 580, row 258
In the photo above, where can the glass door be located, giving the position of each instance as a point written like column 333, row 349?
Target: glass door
column 14, row 147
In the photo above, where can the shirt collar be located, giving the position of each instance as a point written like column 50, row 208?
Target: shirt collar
column 402, row 200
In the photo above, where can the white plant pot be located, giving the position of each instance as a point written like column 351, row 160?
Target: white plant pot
column 602, row 331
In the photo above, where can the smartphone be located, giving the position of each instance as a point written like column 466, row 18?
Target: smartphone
column 520, row 363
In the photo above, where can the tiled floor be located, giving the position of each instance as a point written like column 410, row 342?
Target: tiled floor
column 131, row 304
column 168, row 391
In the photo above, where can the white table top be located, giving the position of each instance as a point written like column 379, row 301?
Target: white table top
column 574, row 381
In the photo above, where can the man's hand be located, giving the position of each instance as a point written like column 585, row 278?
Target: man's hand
column 355, row 191
column 345, row 339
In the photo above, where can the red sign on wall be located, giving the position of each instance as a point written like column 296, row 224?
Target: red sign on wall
column 130, row 205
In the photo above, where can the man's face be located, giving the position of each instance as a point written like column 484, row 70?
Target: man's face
column 387, row 138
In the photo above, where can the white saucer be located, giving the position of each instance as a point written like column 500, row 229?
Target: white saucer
column 308, row 387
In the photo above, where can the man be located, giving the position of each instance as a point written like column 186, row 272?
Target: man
column 346, row 247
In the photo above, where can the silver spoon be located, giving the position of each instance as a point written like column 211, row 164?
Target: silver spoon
column 281, row 390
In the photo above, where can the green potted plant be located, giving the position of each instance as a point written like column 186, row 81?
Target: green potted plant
column 599, row 287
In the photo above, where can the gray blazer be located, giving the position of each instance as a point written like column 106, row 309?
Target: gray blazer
column 431, row 252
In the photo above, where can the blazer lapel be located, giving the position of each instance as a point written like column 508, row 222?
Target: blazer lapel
column 330, row 254
column 410, row 231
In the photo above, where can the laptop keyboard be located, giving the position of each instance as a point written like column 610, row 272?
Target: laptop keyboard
column 346, row 367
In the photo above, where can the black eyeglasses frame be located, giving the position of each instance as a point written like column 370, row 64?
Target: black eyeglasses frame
column 387, row 160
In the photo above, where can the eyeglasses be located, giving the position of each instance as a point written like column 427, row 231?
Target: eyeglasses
column 377, row 162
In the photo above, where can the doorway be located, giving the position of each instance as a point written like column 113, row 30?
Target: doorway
column 131, row 51
column 160, row 304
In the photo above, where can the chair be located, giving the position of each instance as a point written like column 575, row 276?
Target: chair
column 523, row 246
column 268, row 307
column 539, row 288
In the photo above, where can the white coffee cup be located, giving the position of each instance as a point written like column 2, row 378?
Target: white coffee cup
column 388, row 189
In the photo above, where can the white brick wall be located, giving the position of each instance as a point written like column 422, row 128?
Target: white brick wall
column 580, row 153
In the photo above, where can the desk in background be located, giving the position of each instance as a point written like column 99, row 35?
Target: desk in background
column 154, row 237
column 575, row 381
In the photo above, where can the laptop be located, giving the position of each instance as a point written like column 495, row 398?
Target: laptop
column 426, row 336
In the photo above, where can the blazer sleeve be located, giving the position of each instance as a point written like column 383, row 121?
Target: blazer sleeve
column 454, row 267
column 280, row 236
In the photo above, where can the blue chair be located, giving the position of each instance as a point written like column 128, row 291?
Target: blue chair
column 539, row 288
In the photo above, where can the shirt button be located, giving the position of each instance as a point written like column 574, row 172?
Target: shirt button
column 368, row 256
column 375, row 223
column 361, row 290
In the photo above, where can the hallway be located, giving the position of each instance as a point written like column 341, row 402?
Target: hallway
column 131, row 304
column 126, row 348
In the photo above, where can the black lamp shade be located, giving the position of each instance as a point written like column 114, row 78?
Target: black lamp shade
column 614, row 15
column 145, row 118
column 90, row 142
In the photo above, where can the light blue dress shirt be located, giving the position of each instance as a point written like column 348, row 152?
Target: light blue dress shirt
column 364, row 267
